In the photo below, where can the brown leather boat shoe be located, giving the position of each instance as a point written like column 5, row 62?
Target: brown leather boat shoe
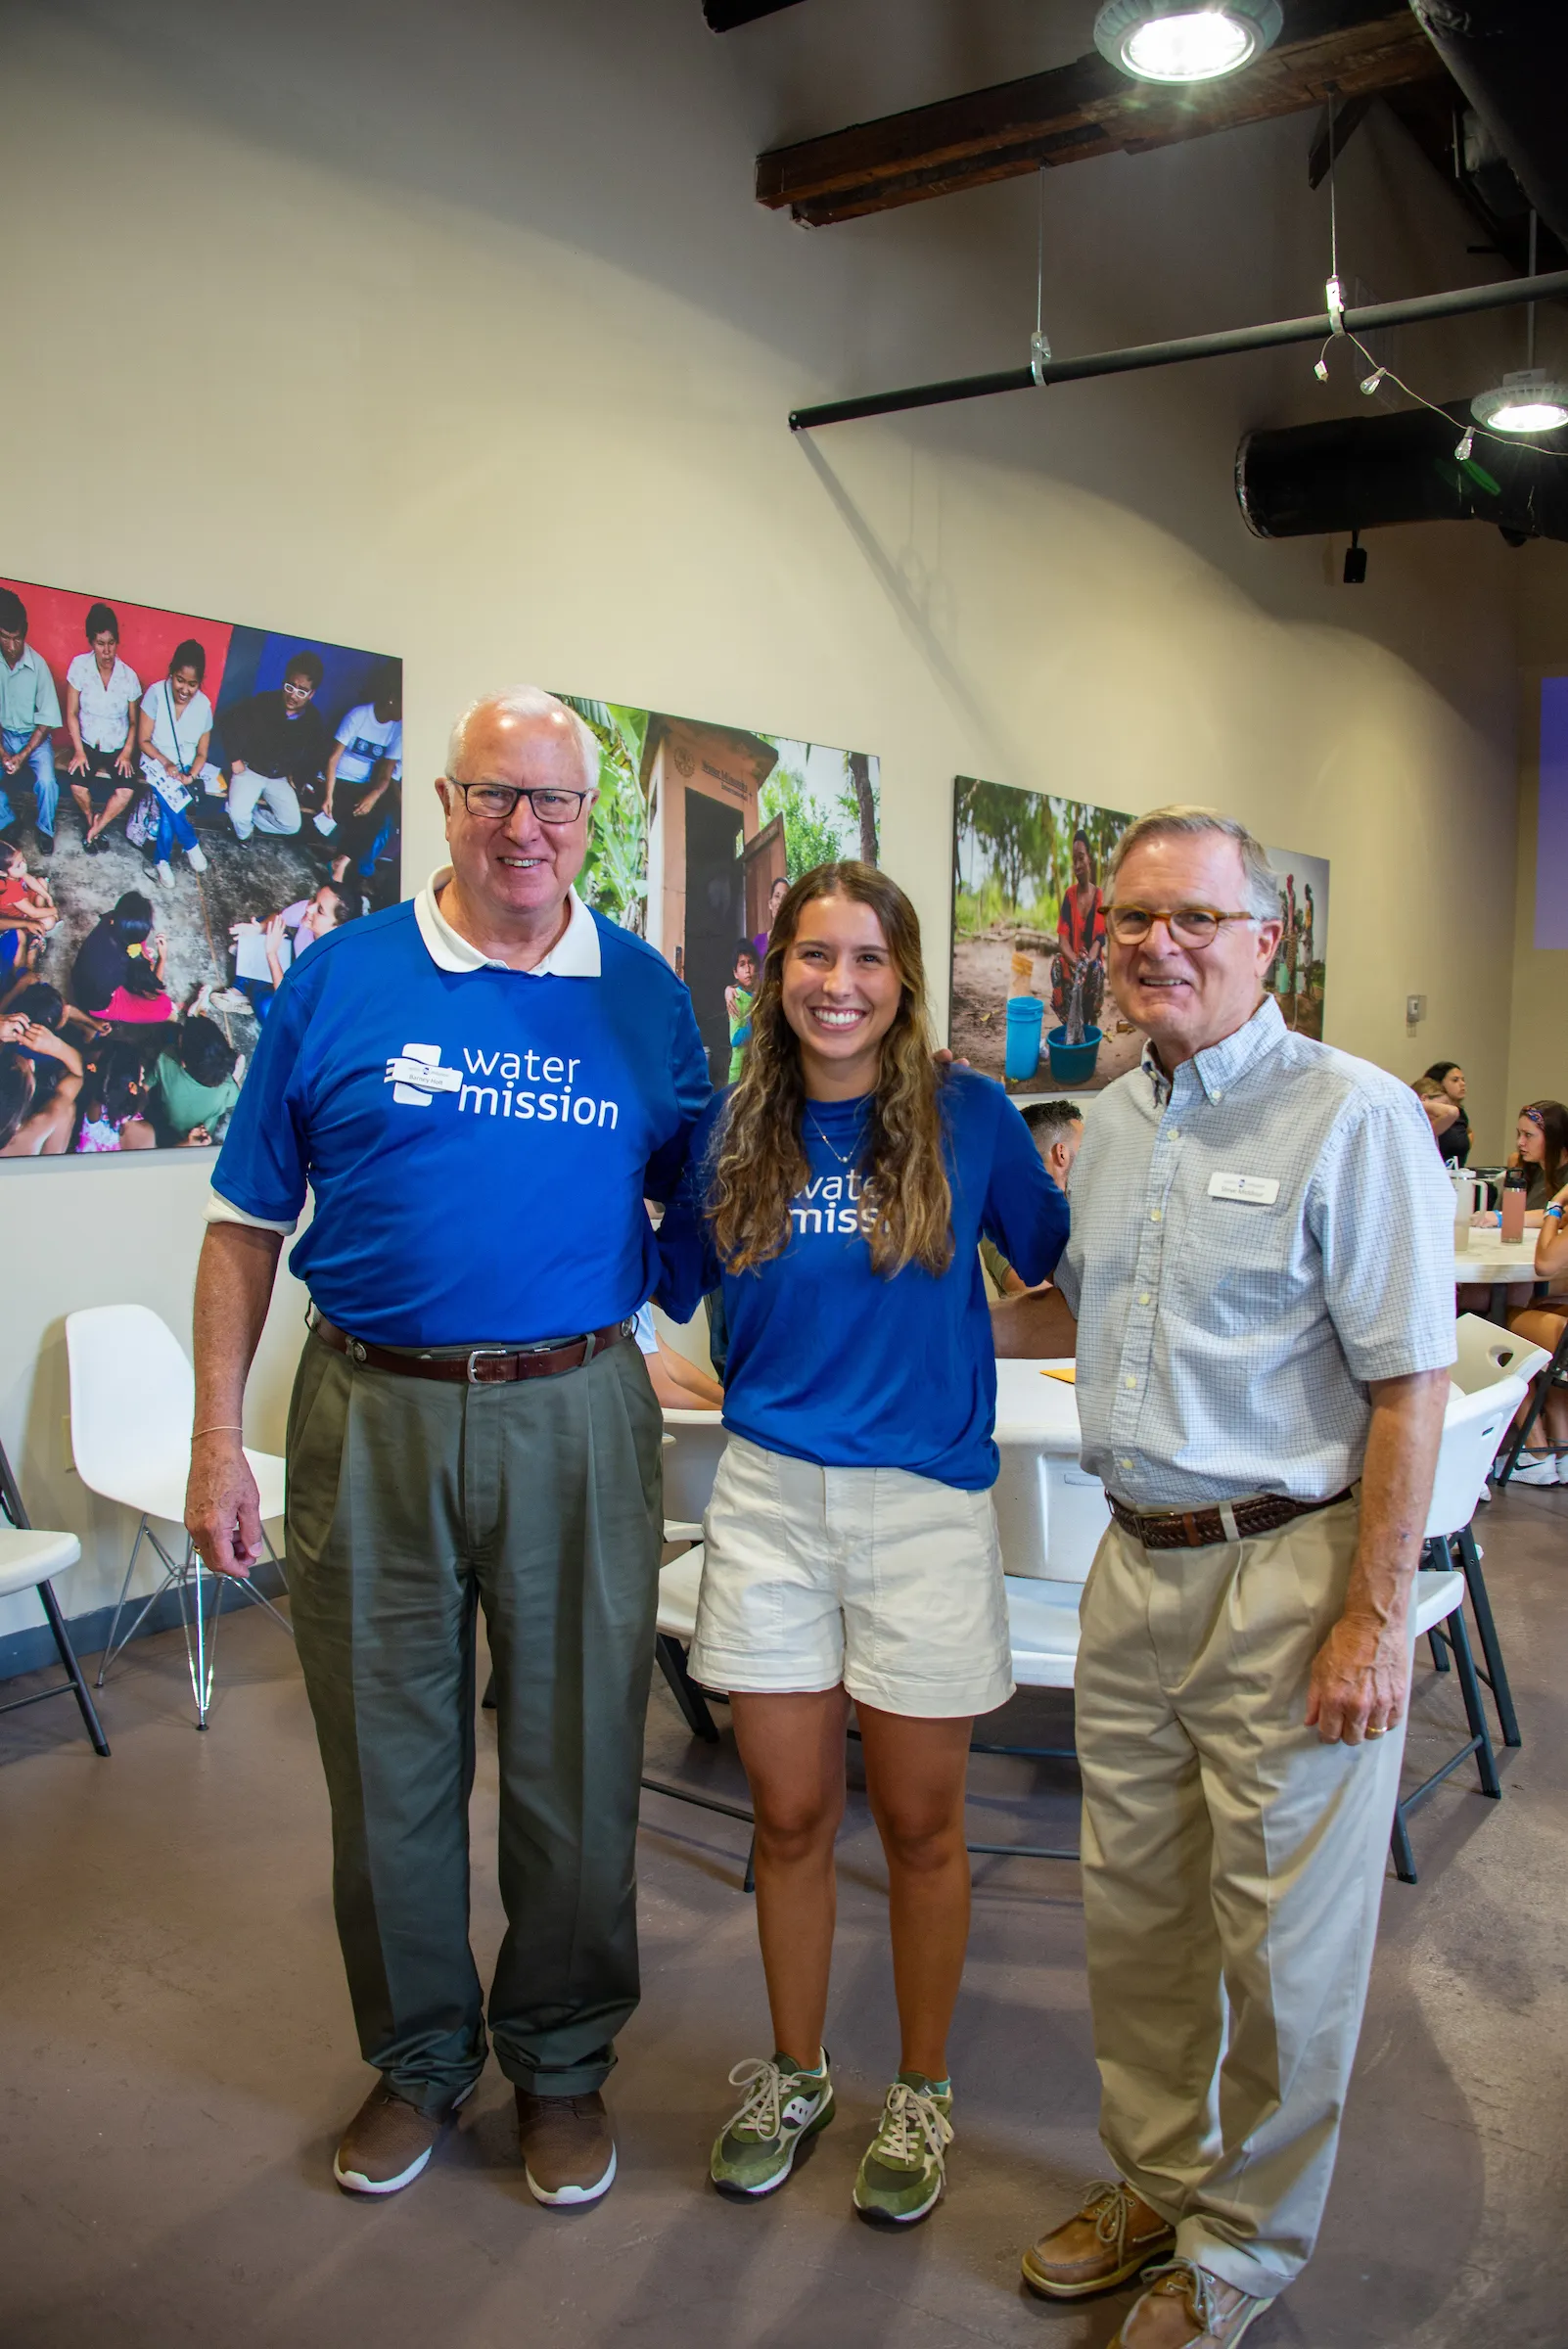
column 569, row 2153
column 1188, row 2308
column 1111, row 2237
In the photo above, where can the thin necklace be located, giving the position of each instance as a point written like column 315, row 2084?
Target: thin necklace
column 827, row 1145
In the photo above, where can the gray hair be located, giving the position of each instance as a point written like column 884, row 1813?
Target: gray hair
column 524, row 700
column 1260, row 892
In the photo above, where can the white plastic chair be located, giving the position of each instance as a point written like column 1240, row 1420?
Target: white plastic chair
column 1439, row 1600
column 28, row 1557
column 694, row 1445
column 132, row 1394
column 1474, row 1424
column 1488, row 1353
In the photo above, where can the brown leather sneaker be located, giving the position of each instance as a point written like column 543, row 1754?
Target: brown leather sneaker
column 1112, row 2235
column 569, row 2155
column 1188, row 2308
column 388, row 2141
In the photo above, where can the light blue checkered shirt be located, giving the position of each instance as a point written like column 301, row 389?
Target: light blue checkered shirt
column 1224, row 1344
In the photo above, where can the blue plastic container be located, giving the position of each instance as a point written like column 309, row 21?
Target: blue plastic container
column 1073, row 1064
column 1026, row 1016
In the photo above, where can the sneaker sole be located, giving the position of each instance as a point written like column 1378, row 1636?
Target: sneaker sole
column 565, row 2197
column 734, row 2192
column 355, row 2182
column 874, row 2216
column 1049, row 2290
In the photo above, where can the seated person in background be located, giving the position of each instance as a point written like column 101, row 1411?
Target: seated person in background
column 739, row 996
column 194, row 1084
column 174, row 733
column 28, row 912
column 1057, row 1128
column 103, row 693
column 113, row 1101
column 35, row 1117
column 1541, row 1148
column 110, row 948
column 1440, row 1111
column 678, row 1384
column 263, row 950
column 369, row 830
column 142, row 996
column 35, row 1001
column 29, row 712
column 277, row 747
column 368, row 749
column 1455, row 1142
column 1542, row 1324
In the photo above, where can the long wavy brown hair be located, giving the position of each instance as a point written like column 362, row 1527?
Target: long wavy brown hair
column 757, row 1161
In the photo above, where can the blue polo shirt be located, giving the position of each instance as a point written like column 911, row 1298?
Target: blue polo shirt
column 830, row 1361
column 479, row 1141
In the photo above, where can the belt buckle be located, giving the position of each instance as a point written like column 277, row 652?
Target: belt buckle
column 487, row 1354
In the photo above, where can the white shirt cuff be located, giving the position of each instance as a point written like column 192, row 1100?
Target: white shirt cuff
column 224, row 1211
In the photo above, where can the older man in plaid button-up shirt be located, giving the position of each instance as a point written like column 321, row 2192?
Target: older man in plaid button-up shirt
column 1261, row 1268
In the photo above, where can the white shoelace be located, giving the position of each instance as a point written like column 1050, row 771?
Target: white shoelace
column 762, row 2110
column 1178, row 2278
column 913, row 2127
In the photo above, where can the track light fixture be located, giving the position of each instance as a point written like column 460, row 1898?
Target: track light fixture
column 1185, row 40
column 1356, row 562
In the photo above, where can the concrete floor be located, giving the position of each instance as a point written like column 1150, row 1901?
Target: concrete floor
column 179, row 2057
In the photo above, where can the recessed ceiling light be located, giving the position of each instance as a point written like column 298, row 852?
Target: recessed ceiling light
column 1527, row 403
column 1173, row 40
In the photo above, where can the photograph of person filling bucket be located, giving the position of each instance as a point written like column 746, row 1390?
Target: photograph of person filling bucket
column 1030, row 1004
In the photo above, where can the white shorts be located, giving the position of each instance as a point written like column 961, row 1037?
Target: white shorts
column 886, row 1581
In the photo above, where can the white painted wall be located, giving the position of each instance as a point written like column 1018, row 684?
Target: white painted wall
column 456, row 331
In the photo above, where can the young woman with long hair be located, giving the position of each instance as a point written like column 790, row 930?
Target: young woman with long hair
column 1541, row 1148
column 838, row 1193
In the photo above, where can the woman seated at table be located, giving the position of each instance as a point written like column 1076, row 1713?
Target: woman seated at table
column 1542, row 1323
column 837, row 1194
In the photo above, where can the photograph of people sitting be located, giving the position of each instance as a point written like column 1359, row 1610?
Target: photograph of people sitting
column 267, row 946
column 176, row 733
column 194, row 1083
column 277, row 747
column 40, row 1081
column 28, row 912
column 366, row 754
column 29, row 712
column 103, row 698
column 850, row 1546
column 114, row 1101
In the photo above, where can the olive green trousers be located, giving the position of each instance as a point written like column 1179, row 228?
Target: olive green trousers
column 411, row 1504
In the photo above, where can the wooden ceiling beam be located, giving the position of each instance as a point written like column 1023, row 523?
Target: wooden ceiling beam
column 1341, row 49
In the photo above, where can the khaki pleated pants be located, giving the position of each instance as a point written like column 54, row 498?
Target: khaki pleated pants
column 1232, row 1872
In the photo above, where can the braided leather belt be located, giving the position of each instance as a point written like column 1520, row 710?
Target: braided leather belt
column 481, row 1365
column 1223, row 1521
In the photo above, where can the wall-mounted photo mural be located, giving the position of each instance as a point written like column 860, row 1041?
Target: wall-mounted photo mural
column 699, row 825
column 186, row 806
column 1030, row 1003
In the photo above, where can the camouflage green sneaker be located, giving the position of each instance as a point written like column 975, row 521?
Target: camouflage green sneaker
column 901, row 2177
column 781, row 2107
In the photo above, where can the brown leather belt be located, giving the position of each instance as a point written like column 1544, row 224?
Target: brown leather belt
column 1199, row 1529
column 481, row 1365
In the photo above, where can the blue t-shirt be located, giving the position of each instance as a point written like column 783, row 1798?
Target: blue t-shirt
column 479, row 1142
column 831, row 1362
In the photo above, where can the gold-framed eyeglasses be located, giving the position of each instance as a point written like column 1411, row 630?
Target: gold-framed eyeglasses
column 497, row 802
column 1187, row 925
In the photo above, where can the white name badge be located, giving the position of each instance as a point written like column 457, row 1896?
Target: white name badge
column 1253, row 1190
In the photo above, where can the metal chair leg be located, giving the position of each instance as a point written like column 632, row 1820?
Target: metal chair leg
column 1485, row 1761
column 1496, row 1674
column 684, row 1690
column 67, row 1657
column 1404, row 1856
column 201, row 1655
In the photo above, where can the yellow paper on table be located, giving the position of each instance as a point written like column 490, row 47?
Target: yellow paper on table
column 1067, row 1373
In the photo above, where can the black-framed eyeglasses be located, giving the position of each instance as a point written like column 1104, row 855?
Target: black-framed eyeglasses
column 497, row 802
column 1189, row 925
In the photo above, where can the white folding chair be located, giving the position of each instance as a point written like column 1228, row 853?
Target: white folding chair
column 28, row 1557
column 1439, row 1600
column 132, row 1393
column 1474, row 1424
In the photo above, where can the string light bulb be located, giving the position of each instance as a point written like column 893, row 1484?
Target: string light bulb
column 1466, row 444
column 1370, row 382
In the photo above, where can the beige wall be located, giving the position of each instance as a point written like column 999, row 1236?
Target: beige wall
column 455, row 333
column 1538, row 1055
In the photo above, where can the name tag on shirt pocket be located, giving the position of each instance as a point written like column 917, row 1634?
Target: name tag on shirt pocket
column 1252, row 1191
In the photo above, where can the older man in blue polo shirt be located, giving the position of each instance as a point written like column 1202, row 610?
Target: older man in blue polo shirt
column 477, row 1087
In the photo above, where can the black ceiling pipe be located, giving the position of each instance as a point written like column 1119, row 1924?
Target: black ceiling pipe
column 1361, row 473
column 1510, row 59
column 728, row 15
